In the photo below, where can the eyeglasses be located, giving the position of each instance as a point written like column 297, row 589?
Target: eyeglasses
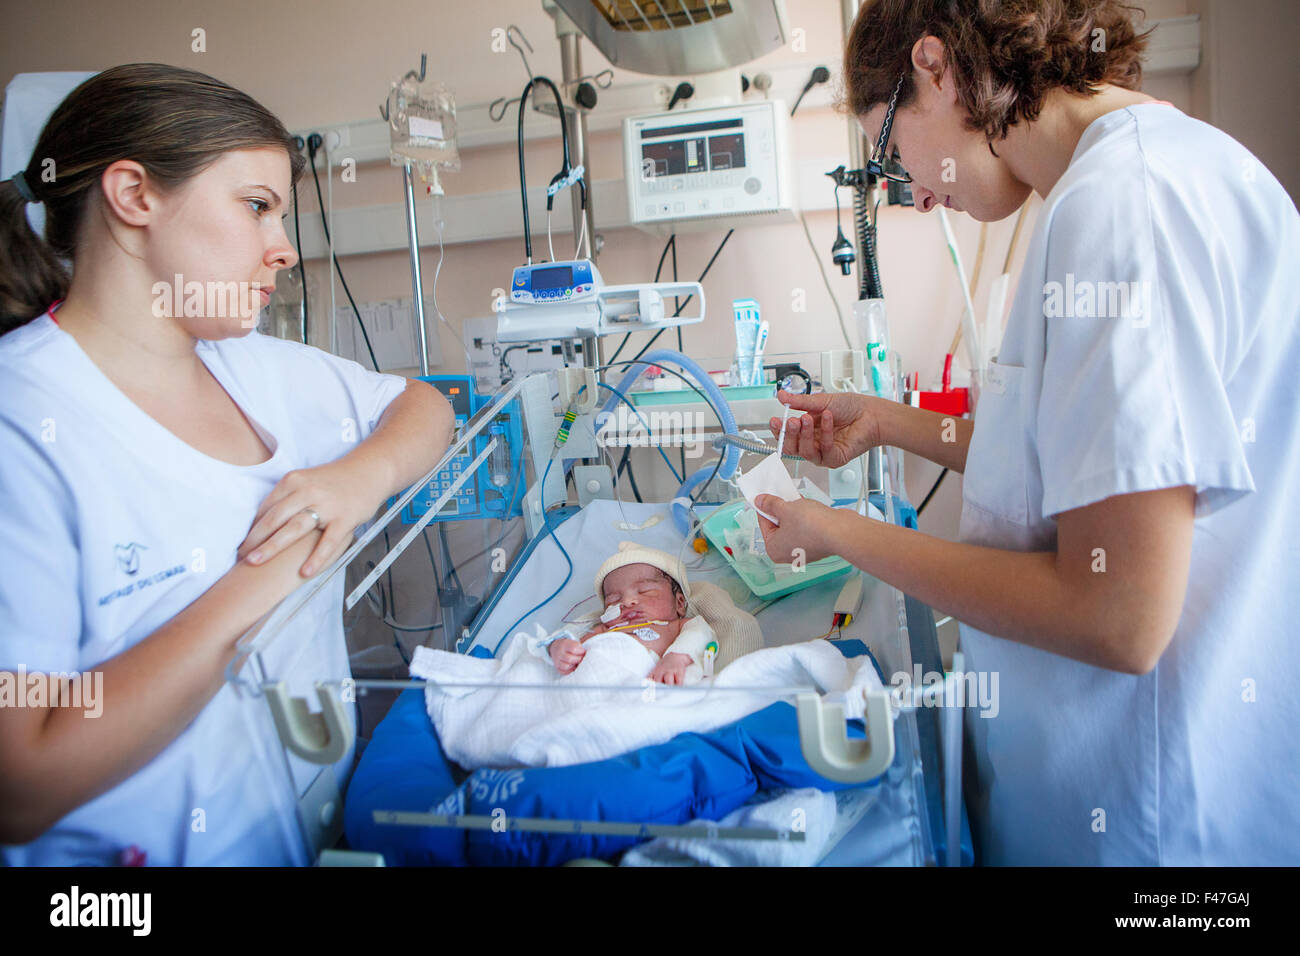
column 881, row 164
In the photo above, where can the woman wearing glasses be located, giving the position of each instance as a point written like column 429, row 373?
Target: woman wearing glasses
column 1128, row 528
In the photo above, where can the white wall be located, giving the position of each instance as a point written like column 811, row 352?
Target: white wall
column 1249, row 81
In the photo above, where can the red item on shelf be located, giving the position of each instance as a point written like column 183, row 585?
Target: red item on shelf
column 952, row 402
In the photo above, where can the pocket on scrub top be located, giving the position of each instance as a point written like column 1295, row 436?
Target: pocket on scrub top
column 997, row 476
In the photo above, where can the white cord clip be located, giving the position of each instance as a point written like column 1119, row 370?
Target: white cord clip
column 575, row 174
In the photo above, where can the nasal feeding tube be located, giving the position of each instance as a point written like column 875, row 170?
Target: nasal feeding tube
column 642, row 630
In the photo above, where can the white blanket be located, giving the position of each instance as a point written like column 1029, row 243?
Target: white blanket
column 585, row 716
column 811, row 809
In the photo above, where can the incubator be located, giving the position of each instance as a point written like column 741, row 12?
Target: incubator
column 876, row 780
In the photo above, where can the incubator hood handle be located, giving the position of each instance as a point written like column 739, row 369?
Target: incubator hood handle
column 827, row 747
column 322, row 738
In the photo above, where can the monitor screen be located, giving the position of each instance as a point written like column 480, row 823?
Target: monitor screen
column 672, row 158
column 727, row 152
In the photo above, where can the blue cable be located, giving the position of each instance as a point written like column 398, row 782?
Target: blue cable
column 645, row 425
column 546, row 522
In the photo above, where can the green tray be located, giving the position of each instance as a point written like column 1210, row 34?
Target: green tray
column 785, row 579
column 732, row 393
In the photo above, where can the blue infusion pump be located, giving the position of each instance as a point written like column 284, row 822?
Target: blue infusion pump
column 496, row 490
column 574, row 281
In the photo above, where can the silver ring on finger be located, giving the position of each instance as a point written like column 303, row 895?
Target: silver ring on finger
column 314, row 517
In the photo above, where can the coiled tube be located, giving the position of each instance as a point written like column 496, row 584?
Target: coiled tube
column 869, row 285
column 749, row 444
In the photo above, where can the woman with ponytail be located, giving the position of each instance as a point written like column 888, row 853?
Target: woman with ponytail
column 167, row 477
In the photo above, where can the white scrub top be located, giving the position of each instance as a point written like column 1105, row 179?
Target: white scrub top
column 1195, row 383
column 111, row 525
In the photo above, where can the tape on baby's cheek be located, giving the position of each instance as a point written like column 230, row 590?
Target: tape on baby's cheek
column 611, row 612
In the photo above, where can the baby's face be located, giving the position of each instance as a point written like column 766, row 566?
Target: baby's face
column 645, row 593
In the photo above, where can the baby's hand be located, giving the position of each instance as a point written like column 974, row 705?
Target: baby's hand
column 567, row 654
column 672, row 669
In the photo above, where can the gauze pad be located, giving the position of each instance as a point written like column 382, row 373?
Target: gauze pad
column 807, row 489
column 768, row 477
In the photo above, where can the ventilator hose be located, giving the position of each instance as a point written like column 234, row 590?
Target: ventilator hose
column 680, row 506
column 749, row 444
column 668, row 356
column 730, row 459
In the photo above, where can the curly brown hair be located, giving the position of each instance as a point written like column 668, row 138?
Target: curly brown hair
column 1005, row 54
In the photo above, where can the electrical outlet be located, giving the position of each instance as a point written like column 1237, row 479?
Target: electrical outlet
column 336, row 139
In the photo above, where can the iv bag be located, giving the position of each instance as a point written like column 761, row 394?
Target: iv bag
column 422, row 126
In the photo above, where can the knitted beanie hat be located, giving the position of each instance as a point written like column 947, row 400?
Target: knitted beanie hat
column 629, row 552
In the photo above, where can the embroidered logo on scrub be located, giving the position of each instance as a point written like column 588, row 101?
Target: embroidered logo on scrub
column 128, row 562
column 128, row 556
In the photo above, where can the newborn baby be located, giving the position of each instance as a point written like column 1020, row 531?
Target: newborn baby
column 643, row 590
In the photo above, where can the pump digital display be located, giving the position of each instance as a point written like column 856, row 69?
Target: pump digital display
column 559, row 277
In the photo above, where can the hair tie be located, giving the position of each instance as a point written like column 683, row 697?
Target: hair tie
column 24, row 190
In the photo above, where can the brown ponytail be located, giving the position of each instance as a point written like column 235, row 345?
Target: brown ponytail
column 1005, row 54
column 173, row 122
